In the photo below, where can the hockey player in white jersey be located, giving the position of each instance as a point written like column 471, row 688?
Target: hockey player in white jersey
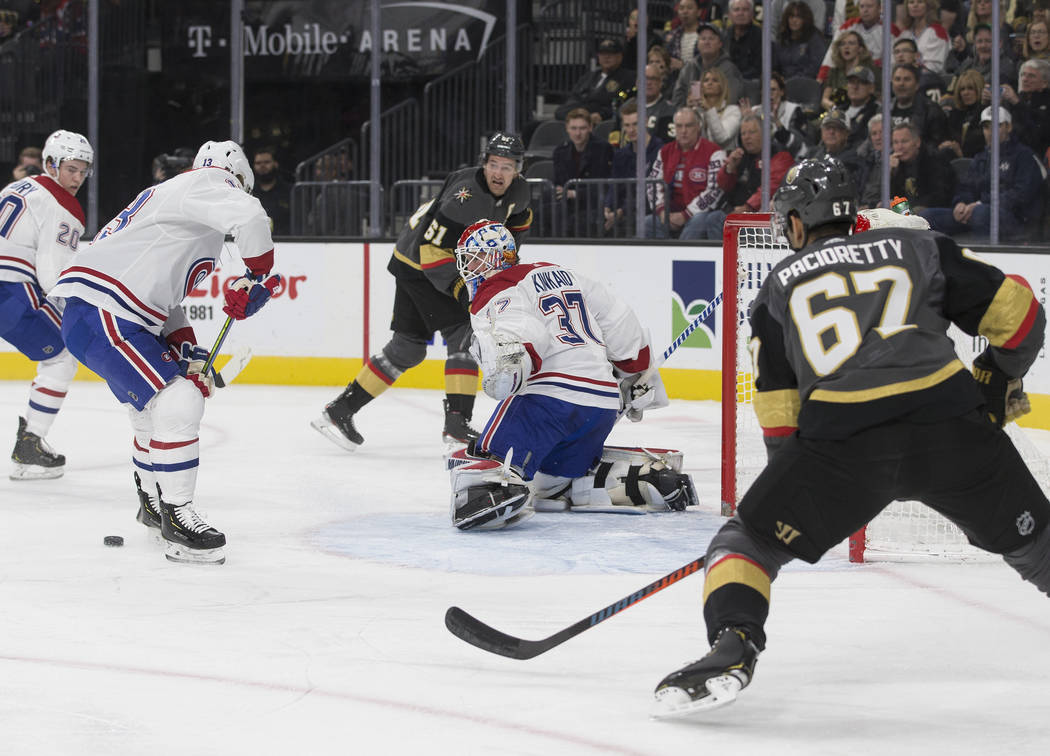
column 123, row 320
column 41, row 223
column 551, row 344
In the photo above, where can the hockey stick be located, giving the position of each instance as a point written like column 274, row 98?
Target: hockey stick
column 223, row 333
column 477, row 633
column 240, row 359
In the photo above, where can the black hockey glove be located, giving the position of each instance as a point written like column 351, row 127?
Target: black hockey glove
column 1004, row 397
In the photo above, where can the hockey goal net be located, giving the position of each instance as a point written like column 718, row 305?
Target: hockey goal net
column 906, row 530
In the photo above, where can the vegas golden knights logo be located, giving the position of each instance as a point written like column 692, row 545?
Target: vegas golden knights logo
column 786, row 533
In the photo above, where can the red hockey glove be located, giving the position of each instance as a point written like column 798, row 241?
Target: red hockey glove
column 246, row 297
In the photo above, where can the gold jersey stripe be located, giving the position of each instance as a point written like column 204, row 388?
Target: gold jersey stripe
column 407, row 260
column 1006, row 313
column 736, row 569
column 777, row 409
column 890, row 389
column 429, row 255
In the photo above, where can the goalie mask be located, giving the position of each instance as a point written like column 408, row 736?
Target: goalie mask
column 67, row 145
column 230, row 157
column 484, row 249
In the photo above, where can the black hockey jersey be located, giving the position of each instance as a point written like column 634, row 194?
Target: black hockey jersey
column 850, row 332
column 426, row 247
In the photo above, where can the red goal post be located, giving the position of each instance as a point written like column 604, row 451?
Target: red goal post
column 906, row 530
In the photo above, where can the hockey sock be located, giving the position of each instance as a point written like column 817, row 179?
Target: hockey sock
column 376, row 376
column 736, row 594
column 461, row 403
column 142, row 425
column 48, row 391
column 461, row 382
column 176, row 413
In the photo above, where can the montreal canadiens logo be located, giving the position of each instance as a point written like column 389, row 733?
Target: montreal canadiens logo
column 200, row 270
column 698, row 175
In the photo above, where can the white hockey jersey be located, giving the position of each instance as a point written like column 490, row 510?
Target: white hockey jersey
column 573, row 330
column 40, row 229
column 146, row 260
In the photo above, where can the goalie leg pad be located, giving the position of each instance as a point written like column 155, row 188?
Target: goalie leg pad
column 650, row 479
column 487, row 495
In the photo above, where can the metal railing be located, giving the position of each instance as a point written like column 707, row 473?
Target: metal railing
column 331, row 208
column 339, row 162
column 584, row 214
column 403, row 163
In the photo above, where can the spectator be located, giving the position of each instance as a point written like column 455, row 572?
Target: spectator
column 868, row 25
column 965, row 137
column 682, row 40
column 166, row 166
column 917, row 108
column 744, row 39
column 30, row 163
column 711, row 56
column 789, row 119
column 596, row 90
column 1036, row 44
column 741, row 176
column 921, row 20
column 8, row 24
column 624, row 163
column 799, row 46
column 816, row 7
column 689, row 167
column 860, row 89
column 721, row 118
column 658, row 54
column 659, row 112
column 847, row 52
column 979, row 57
column 834, row 138
column 906, row 51
column 869, row 173
column 1030, row 107
column 580, row 157
column 1020, row 184
column 273, row 191
column 917, row 172
column 981, row 13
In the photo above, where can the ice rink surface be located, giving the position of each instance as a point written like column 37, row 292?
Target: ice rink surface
column 323, row 633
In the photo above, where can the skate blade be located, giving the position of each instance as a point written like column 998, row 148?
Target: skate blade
column 675, row 703
column 178, row 553
column 36, row 472
column 329, row 431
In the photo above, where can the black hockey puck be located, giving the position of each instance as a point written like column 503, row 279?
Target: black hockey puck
column 113, row 540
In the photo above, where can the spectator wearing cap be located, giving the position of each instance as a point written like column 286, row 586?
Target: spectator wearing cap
column 712, row 55
column 1030, row 104
column 860, row 89
column 834, row 139
column 744, row 39
column 909, row 104
column 682, row 39
column 867, row 24
column 798, row 47
column 596, row 91
column 1020, row 182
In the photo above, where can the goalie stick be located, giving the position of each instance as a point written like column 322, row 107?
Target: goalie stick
column 477, row 633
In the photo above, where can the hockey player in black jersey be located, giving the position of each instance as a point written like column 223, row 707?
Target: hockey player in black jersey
column 430, row 295
column 862, row 400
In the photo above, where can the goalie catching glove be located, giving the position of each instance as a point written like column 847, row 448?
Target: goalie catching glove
column 638, row 395
column 505, row 365
column 1005, row 399
column 247, row 295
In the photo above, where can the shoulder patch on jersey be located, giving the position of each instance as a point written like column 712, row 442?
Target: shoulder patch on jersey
column 64, row 198
column 462, row 194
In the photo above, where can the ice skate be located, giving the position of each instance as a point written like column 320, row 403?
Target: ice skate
column 711, row 682
column 148, row 513
column 34, row 458
column 337, row 422
column 189, row 538
column 457, row 427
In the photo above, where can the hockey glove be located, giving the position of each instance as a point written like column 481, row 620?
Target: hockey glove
column 505, row 365
column 246, row 296
column 636, row 396
column 1004, row 397
column 192, row 359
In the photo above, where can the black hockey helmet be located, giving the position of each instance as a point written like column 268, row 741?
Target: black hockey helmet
column 818, row 191
column 505, row 144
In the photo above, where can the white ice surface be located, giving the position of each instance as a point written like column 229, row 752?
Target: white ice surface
column 324, row 634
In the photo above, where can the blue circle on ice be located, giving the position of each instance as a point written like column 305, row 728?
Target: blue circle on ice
column 547, row 543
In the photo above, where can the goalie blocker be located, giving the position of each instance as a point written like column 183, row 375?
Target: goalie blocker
column 487, row 494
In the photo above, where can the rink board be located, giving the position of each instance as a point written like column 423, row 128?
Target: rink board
column 335, row 308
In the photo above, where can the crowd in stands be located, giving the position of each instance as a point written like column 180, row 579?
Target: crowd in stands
column 703, row 105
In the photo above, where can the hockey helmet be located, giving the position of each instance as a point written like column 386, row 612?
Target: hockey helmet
column 818, row 191
column 230, row 157
column 486, row 247
column 67, row 145
column 505, row 144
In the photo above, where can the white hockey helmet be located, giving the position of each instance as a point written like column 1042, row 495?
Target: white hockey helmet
column 67, row 145
column 230, row 157
column 485, row 247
